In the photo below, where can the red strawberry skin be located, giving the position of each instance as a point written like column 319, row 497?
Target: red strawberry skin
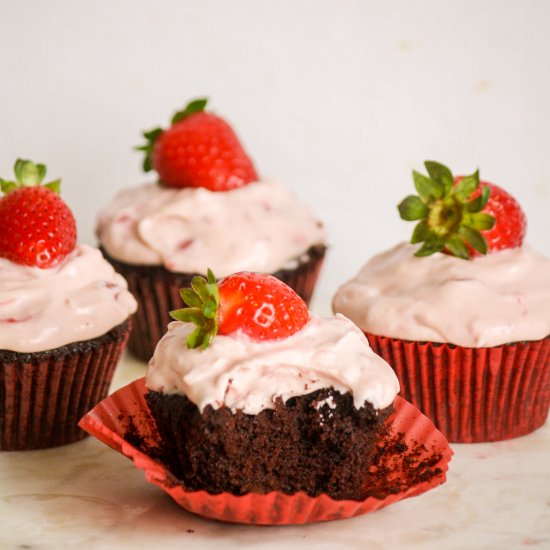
column 259, row 305
column 36, row 227
column 510, row 221
column 202, row 151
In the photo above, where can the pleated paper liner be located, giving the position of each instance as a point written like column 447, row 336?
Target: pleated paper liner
column 157, row 292
column 413, row 458
column 473, row 394
column 43, row 395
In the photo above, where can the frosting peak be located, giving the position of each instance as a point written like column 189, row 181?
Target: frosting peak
column 240, row 373
column 487, row 301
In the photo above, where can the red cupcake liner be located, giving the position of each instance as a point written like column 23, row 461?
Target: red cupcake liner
column 157, row 293
column 123, row 422
column 43, row 395
column 473, row 394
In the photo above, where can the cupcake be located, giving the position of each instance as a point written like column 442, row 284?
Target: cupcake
column 208, row 209
column 276, row 401
column 263, row 413
column 64, row 316
column 462, row 312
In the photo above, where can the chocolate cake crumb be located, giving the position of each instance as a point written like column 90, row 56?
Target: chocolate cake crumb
column 283, row 449
column 397, row 466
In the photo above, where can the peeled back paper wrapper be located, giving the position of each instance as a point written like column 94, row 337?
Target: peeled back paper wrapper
column 473, row 394
column 413, row 458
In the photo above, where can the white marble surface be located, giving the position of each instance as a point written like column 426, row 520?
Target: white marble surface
column 85, row 495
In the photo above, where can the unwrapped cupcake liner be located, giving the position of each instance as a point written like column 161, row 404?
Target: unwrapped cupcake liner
column 412, row 458
column 473, row 394
column 157, row 293
column 43, row 395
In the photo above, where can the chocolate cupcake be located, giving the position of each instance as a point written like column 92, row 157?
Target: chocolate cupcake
column 290, row 439
column 64, row 317
column 273, row 399
column 253, row 411
column 467, row 333
column 44, row 394
column 208, row 209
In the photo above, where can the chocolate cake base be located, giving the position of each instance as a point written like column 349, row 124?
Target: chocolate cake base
column 157, row 292
column 43, row 395
column 306, row 444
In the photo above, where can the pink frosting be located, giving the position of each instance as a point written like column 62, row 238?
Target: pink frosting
column 258, row 227
column 79, row 299
column 244, row 374
column 488, row 301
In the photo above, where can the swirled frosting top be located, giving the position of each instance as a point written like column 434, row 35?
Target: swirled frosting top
column 484, row 302
column 248, row 375
column 259, row 227
column 79, row 299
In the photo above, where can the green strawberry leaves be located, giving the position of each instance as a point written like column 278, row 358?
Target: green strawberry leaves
column 28, row 174
column 203, row 301
column 151, row 136
column 440, row 174
column 7, row 186
column 449, row 218
column 466, row 186
column 474, row 238
column 194, row 106
column 413, row 208
column 427, row 188
column 477, row 204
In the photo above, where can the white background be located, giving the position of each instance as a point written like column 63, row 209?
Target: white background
column 338, row 100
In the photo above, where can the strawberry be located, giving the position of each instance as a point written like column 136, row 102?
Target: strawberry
column 199, row 149
column 510, row 221
column 259, row 305
column 462, row 216
column 36, row 226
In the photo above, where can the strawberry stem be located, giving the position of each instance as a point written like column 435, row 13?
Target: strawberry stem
column 29, row 174
column 203, row 303
column 448, row 218
column 194, row 106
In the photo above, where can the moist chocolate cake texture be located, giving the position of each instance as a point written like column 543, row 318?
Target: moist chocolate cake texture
column 316, row 443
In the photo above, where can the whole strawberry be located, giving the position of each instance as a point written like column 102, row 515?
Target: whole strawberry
column 199, row 149
column 462, row 216
column 259, row 305
column 36, row 226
